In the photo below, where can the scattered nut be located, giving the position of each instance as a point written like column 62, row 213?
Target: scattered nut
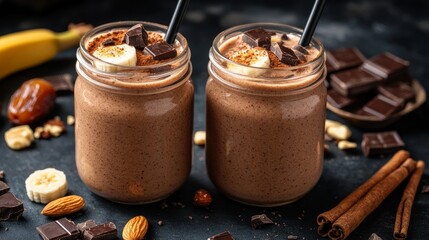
column 331, row 123
column 19, row 137
column 63, row 206
column 339, row 132
column 160, row 223
column 52, row 128
column 200, row 138
column 70, row 120
column 135, row 229
column 345, row 145
column 202, row 198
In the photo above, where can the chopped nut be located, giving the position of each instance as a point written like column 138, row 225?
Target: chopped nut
column 202, row 198
column 70, row 120
column 200, row 138
column 345, row 145
column 52, row 128
column 19, row 137
column 38, row 132
column 339, row 132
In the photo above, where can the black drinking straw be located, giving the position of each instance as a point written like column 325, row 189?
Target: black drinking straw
column 177, row 18
column 312, row 21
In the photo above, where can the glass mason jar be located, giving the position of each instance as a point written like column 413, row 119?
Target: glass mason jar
column 134, row 126
column 265, row 134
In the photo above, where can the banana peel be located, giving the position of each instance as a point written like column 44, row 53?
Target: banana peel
column 29, row 48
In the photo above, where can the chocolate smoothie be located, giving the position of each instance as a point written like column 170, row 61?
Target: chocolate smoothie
column 133, row 123
column 265, row 125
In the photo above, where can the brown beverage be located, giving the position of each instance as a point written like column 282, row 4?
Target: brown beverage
column 265, row 124
column 133, row 123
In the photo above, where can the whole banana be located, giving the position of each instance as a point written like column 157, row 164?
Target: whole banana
column 29, row 48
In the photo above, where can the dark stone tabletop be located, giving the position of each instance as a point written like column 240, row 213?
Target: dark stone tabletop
column 401, row 27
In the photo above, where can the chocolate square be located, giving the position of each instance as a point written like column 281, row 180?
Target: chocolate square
column 387, row 66
column 344, row 58
column 382, row 107
column 381, row 143
column 105, row 231
column 61, row 229
column 354, row 81
column 339, row 101
column 62, row 83
column 222, row 236
column 398, row 91
column 136, row 36
column 257, row 38
column 161, row 51
column 260, row 220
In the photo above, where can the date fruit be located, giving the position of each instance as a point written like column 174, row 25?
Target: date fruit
column 32, row 101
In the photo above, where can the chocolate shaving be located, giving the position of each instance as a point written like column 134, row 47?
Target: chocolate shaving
column 59, row 229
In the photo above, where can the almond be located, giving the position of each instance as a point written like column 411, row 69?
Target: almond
column 63, row 206
column 135, row 229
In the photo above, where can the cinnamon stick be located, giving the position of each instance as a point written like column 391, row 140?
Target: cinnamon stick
column 350, row 220
column 325, row 220
column 403, row 214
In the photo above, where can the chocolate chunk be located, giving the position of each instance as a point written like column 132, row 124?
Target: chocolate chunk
column 4, row 188
column 1, row 173
column 136, row 36
column 222, row 236
column 271, row 33
column 374, row 237
column 354, row 81
column 344, row 58
column 301, row 57
column 292, row 237
column 161, row 51
column 285, row 37
column 381, row 143
column 398, row 91
column 257, row 38
column 260, row 220
column 425, row 189
column 339, row 101
column 58, row 230
column 284, row 54
column 11, row 208
column 86, row 225
column 300, row 49
column 388, row 66
column 62, row 83
column 105, row 231
column 108, row 42
column 382, row 107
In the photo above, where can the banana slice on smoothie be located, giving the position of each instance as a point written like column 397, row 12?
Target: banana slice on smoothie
column 46, row 185
column 124, row 55
column 252, row 57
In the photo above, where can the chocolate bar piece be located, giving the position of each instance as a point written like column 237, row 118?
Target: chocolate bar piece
column 344, row 58
column 354, row 81
column 381, row 143
column 62, row 83
column 300, row 49
column 11, row 208
column 260, row 220
column 284, row 54
column 61, row 229
column 339, row 101
column 4, row 188
column 257, row 38
column 387, row 66
column 222, row 236
column 398, row 91
column 136, row 36
column 382, row 107
column 161, row 51
column 105, row 231
column 329, row 68
column 86, row 225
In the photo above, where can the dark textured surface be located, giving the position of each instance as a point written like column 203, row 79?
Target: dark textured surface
column 401, row 27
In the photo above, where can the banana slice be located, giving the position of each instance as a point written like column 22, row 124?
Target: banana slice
column 252, row 57
column 124, row 55
column 46, row 185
